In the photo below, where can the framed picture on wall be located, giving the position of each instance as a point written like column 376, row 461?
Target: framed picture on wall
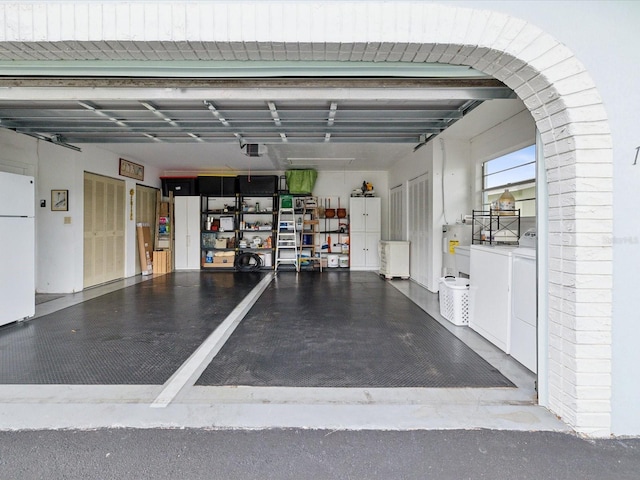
column 131, row 170
column 59, row 200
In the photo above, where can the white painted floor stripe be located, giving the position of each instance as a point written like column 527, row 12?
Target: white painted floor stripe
column 203, row 355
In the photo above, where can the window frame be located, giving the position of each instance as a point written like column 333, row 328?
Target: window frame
column 498, row 189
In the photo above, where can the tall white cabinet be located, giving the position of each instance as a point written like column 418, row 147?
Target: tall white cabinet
column 187, row 232
column 365, row 224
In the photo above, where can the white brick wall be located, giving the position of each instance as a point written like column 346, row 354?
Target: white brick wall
column 553, row 84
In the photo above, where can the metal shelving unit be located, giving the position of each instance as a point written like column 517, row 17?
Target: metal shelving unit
column 218, row 223
column 257, row 227
column 492, row 227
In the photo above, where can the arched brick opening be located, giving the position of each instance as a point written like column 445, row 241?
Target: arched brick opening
column 553, row 84
column 575, row 134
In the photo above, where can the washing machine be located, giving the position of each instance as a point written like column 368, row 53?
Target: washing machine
column 490, row 293
column 524, row 313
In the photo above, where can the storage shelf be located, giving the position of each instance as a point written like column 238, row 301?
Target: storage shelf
column 491, row 227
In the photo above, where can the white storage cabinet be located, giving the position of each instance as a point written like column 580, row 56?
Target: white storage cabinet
column 394, row 259
column 187, row 232
column 364, row 236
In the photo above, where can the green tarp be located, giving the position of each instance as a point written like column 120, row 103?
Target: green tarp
column 301, row 181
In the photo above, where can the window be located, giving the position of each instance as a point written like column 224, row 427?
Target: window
column 515, row 171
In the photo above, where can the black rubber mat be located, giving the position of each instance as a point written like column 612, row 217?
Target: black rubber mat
column 344, row 329
column 137, row 335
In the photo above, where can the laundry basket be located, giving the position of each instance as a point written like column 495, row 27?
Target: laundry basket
column 454, row 299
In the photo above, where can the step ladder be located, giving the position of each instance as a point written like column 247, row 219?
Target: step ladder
column 287, row 239
column 310, row 234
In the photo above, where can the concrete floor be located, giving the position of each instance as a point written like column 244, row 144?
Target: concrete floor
column 179, row 403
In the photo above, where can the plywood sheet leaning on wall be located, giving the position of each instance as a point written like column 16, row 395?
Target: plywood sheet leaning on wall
column 145, row 248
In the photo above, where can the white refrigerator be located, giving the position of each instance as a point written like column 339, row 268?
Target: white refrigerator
column 17, row 247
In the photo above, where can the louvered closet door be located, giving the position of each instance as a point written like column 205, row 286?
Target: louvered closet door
column 146, row 213
column 397, row 213
column 104, row 222
column 418, row 228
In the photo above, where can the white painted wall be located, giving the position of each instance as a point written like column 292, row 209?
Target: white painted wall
column 59, row 246
column 341, row 183
column 481, row 135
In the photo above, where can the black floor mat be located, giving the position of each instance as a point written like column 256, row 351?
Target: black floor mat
column 344, row 329
column 137, row 335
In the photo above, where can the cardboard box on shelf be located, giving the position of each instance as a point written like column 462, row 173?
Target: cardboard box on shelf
column 223, row 261
column 164, row 209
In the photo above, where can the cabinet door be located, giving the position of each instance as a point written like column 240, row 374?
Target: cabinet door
column 372, row 214
column 365, row 214
column 364, row 250
column 372, row 252
column 187, row 232
column 358, row 250
column 357, row 214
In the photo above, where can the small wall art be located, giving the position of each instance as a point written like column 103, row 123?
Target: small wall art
column 131, row 170
column 59, row 200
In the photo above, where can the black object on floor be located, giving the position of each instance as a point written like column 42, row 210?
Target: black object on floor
column 344, row 329
column 136, row 335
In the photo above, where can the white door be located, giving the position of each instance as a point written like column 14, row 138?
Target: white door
column 419, row 228
column 397, row 211
column 187, row 232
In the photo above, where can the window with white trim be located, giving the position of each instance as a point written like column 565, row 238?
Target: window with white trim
column 515, row 171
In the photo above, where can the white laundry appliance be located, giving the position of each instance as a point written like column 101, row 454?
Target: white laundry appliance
column 17, row 247
column 524, row 315
column 490, row 293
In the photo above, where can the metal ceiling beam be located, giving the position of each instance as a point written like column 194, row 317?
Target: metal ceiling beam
column 260, row 140
column 255, row 92
column 377, row 115
column 165, row 127
column 180, row 69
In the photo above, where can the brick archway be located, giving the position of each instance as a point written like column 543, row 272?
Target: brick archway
column 553, row 84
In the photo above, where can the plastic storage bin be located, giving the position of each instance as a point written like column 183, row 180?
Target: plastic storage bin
column 454, row 299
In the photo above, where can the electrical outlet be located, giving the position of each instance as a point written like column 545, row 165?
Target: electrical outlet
column 67, row 220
